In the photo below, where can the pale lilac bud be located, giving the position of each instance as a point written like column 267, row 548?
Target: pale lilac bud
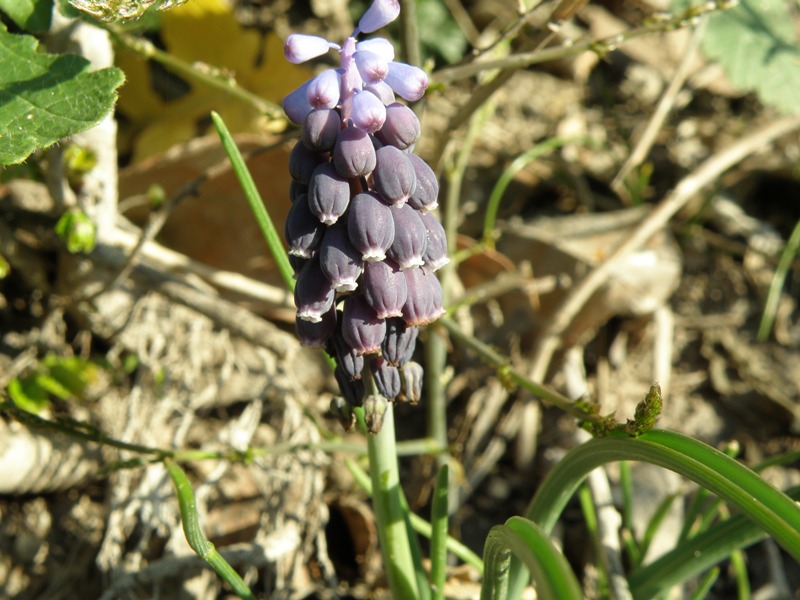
column 384, row 288
column 361, row 328
column 408, row 81
column 372, row 67
column 411, row 379
column 317, row 334
column 435, row 256
column 386, row 376
column 383, row 92
column 370, row 226
column 368, row 112
column 299, row 48
column 295, row 104
column 375, row 408
column 410, row 238
column 398, row 345
column 354, row 154
column 379, row 14
column 380, row 46
column 339, row 260
column 324, row 89
column 313, row 294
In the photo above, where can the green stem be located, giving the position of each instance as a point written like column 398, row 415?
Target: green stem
column 439, row 532
column 388, row 504
column 775, row 287
column 256, row 204
column 194, row 535
column 502, row 363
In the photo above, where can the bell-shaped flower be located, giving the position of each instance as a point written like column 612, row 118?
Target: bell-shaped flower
column 411, row 376
column 313, row 294
column 317, row 334
column 339, row 260
column 295, row 104
column 299, row 48
column 398, row 345
column 401, row 127
column 328, row 194
column 303, row 230
column 354, row 154
column 370, row 226
column 408, row 82
column 410, row 238
column 379, row 14
column 425, row 196
column 387, row 378
column 384, row 288
column 361, row 328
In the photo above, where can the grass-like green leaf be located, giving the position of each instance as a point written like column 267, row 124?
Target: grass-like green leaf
column 45, row 97
column 551, row 572
column 771, row 509
column 31, row 15
column 439, row 532
column 756, row 44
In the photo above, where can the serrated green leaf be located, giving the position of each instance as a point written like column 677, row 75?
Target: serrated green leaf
column 756, row 44
column 31, row 15
column 45, row 97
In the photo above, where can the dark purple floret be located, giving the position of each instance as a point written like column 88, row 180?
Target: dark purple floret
column 401, row 127
column 352, row 389
column 426, row 194
column 411, row 375
column 321, row 128
column 398, row 345
column 394, row 176
column 317, row 334
column 347, row 358
column 296, row 188
column 375, row 407
column 384, row 287
column 386, row 376
column 410, row 238
column 339, row 260
column 303, row 229
column 302, row 162
column 370, row 226
column 313, row 294
column 435, row 256
column 297, row 263
column 424, row 302
column 361, row 328
column 353, row 154
column 328, row 194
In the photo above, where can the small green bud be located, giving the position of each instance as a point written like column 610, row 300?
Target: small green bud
column 77, row 231
column 647, row 412
column 375, row 407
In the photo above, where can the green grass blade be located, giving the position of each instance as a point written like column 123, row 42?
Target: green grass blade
column 194, row 535
column 775, row 287
column 655, row 522
column 439, row 532
column 705, row 584
column 770, row 508
column 256, row 204
column 529, row 543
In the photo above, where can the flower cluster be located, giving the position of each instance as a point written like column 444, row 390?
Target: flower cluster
column 362, row 240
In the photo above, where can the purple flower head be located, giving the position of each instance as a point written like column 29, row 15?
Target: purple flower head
column 363, row 65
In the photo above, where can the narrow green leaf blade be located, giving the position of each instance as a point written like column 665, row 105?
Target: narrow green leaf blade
column 45, row 97
column 554, row 578
column 31, row 15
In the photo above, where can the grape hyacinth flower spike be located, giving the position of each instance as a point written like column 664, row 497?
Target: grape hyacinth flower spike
column 360, row 229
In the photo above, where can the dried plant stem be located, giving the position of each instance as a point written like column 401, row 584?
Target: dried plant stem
column 206, row 74
column 686, row 189
column 664, row 107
